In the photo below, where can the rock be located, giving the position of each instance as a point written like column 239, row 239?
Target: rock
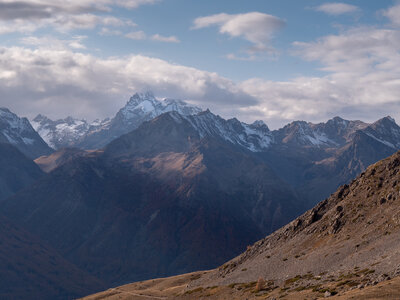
column 327, row 294
column 360, row 286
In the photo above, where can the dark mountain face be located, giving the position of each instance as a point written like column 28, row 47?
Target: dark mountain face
column 30, row 269
column 19, row 132
column 151, row 206
column 16, row 170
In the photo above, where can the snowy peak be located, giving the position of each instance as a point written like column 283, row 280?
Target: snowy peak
column 60, row 133
column 19, row 132
column 140, row 108
column 259, row 124
column 138, row 98
column 206, row 124
column 143, row 107
column 385, row 131
column 10, row 123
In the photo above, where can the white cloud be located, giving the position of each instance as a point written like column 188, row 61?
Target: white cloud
column 255, row 27
column 140, row 35
column 43, row 9
column 28, row 16
column 337, row 8
column 136, row 35
column 110, row 32
column 362, row 81
column 60, row 81
column 49, row 42
column 165, row 39
column 393, row 13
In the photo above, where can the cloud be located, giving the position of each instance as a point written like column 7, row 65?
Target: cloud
column 48, row 42
column 255, row 27
column 362, row 80
column 165, row 39
column 393, row 13
column 44, row 9
column 337, row 8
column 140, row 35
column 61, row 81
column 136, row 35
column 29, row 16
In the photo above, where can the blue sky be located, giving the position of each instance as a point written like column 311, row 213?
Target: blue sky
column 275, row 60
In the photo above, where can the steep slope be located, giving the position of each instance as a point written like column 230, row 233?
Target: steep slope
column 31, row 270
column 160, row 200
column 19, row 132
column 16, row 170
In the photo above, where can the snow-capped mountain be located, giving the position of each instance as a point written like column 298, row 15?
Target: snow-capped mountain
column 64, row 132
column 146, row 106
column 385, row 131
column 141, row 107
column 19, row 132
column 254, row 137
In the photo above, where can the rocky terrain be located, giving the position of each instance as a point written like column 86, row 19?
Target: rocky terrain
column 347, row 247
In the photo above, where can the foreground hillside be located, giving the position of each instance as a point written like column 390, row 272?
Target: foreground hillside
column 175, row 288
column 345, row 244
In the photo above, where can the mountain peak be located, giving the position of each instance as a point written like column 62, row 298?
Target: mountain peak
column 40, row 118
column 260, row 124
column 138, row 98
column 5, row 110
column 386, row 120
column 19, row 132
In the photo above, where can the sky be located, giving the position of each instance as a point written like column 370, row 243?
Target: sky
column 271, row 60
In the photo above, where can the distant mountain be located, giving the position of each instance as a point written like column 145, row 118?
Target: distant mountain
column 160, row 200
column 71, row 132
column 19, row 132
column 140, row 108
column 347, row 245
column 16, row 170
column 66, row 132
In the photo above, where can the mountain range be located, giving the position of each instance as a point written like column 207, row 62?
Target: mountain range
column 312, row 158
column 71, row 132
column 164, row 188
